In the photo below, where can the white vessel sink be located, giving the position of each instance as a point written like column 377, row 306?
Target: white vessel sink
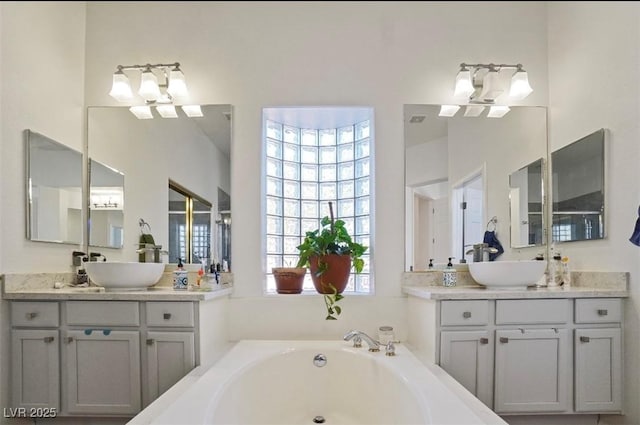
column 124, row 276
column 507, row 274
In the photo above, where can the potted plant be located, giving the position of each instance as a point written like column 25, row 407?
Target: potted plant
column 289, row 280
column 330, row 253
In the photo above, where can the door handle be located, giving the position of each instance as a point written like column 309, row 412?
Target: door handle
column 48, row 339
column 602, row 312
column 484, row 340
column 69, row 339
column 466, row 314
column 150, row 341
column 504, row 340
column 166, row 316
column 31, row 316
column 585, row 339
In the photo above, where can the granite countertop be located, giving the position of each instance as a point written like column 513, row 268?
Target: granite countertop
column 99, row 294
column 41, row 286
column 584, row 284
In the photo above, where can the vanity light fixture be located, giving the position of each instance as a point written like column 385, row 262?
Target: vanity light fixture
column 498, row 111
column 481, row 83
column 161, row 94
column 473, row 110
column 448, row 110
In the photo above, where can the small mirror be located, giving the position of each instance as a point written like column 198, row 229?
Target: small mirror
column 106, row 206
column 525, row 197
column 578, row 189
column 54, row 190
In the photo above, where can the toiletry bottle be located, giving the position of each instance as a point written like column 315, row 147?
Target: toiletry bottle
column 449, row 277
column 430, row 263
column 542, row 283
column 566, row 273
column 555, row 271
column 180, row 277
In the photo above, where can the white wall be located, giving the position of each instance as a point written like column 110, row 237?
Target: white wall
column 593, row 83
column 42, row 59
column 424, row 162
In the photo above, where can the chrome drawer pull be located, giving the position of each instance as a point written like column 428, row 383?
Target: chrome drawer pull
column 166, row 316
column 150, row 341
column 504, row 340
column 584, row 339
column 603, row 312
column 31, row 316
column 48, row 339
column 466, row 314
column 484, row 340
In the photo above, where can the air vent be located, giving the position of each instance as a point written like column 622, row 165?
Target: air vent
column 416, row 119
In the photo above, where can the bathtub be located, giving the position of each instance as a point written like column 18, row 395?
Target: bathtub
column 277, row 382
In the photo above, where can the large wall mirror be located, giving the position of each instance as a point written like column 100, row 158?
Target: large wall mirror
column 466, row 161
column 578, row 176
column 526, row 190
column 193, row 153
column 54, row 190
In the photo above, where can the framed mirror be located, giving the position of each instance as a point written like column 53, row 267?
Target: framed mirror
column 464, row 160
column 526, row 200
column 106, row 206
column 54, row 190
column 192, row 152
column 578, row 187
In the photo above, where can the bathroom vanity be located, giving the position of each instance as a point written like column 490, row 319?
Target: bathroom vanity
column 83, row 353
column 531, row 351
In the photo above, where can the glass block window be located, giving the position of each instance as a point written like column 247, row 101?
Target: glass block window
column 304, row 170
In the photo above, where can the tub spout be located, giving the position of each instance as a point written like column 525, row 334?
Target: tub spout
column 359, row 336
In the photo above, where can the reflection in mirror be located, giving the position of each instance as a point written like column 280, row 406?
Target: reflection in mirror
column 525, row 196
column 54, row 190
column 224, row 227
column 464, row 152
column 189, row 226
column 106, row 206
column 193, row 152
column 578, row 189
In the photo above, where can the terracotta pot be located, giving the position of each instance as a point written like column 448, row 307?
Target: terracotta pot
column 336, row 274
column 289, row 280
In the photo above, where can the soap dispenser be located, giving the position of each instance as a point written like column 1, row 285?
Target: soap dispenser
column 449, row 277
column 430, row 266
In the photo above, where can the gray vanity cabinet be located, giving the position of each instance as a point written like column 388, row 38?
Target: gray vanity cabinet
column 527, row 356
column 532, row 370
column 468, row 357
column 35, row 355
column 169, row 346
column 102, row 371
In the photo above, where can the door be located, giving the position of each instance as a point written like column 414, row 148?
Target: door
column 101, row 371
column 35, row 369
column 532, row 370
column 598, row 370
column 467, row 356
column 169, row 356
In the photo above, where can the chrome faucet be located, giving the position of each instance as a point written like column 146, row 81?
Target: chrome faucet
column 481, row 252
column 358, row 336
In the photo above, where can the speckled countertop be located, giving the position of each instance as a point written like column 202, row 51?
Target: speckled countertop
column 584, row 285
column 40, row 286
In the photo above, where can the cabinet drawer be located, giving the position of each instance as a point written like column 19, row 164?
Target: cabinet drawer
column 598, row 310
column 456, row 313
column 170, row 314
column 34, row 313
column 103, row 313
column 511, row 312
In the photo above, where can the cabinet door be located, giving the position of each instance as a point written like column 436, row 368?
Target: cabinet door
column 35, row 369
column 169, row 356
column 598, row 370
column 468, row 357
column 532, row 370
column 101, row 371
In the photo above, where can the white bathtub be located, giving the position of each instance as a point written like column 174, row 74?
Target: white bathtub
column 276, row 382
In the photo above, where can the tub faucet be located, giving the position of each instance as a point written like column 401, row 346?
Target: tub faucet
column 358, row 336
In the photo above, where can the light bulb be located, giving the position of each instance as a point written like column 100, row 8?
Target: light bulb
column 520, row 87
column 121, row 88
column 464, row 85
column 177, row 85
column 149, row 89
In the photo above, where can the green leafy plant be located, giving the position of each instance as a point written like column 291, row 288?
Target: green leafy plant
column 331, row 238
